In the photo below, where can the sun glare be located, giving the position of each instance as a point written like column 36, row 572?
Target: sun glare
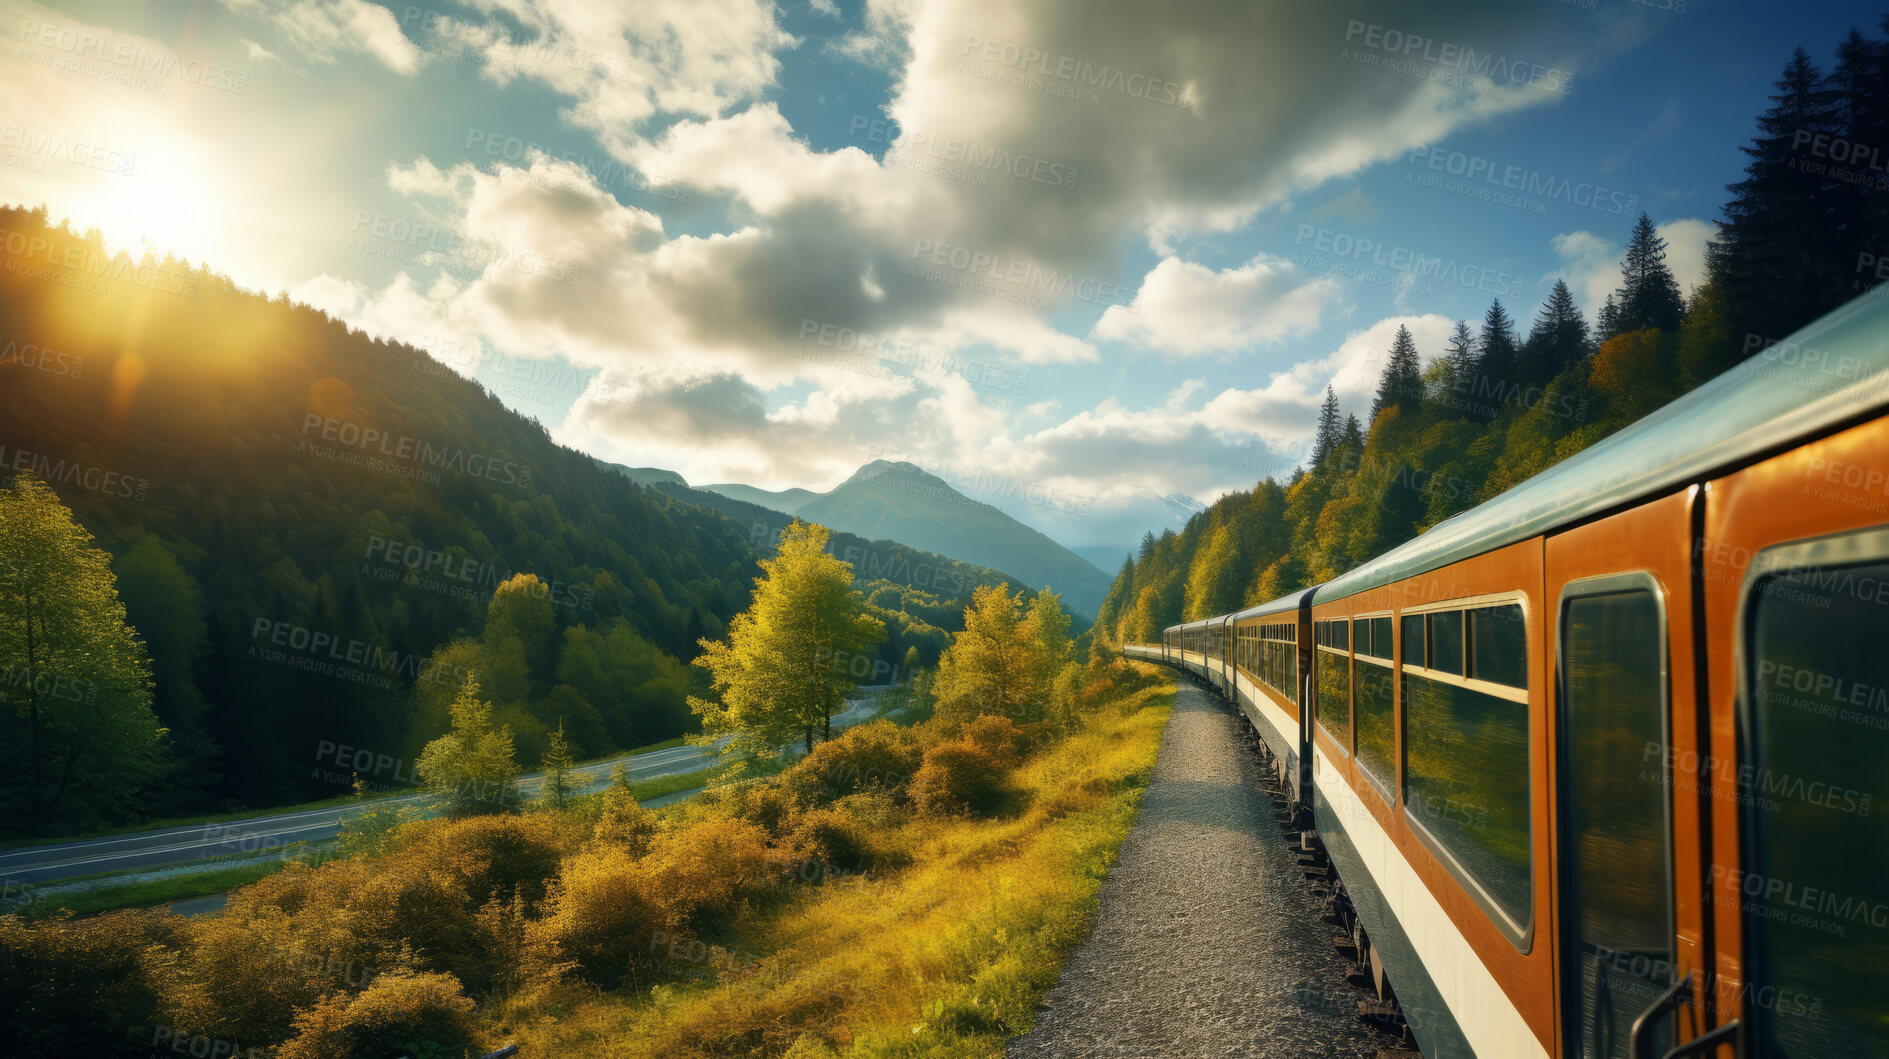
column 168, row 207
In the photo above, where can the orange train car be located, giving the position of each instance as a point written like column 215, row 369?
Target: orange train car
column 1600, row 764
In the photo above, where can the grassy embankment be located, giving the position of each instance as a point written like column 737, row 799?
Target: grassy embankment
column 947, row 955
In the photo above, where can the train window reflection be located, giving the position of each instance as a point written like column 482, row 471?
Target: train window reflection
column 1377, row 728
column 1498, row 645
column 1466, row 785
column 1817, row 891
column 1446, row 642
column 1619, row 957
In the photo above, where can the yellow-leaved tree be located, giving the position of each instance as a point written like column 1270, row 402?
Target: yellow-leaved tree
column 782, row 672
column 471, row 767
column 78, row 737
column 1007, row 658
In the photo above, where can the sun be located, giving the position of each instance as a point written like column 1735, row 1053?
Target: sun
column 167, row 202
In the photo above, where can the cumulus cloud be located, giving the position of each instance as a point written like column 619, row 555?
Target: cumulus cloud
column 1188, row 309
column 324, row 30
column 623, row 63
column 1178, row 121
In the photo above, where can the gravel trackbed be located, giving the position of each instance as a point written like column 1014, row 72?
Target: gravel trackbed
column 1206, row 942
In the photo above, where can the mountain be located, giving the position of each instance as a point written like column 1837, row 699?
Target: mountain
column 786, row 501
column 1182, row 506
column 308, row 527
column 898, row 501
column 648, row 475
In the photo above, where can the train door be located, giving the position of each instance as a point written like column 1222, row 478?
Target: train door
column 1795, row 560
column 1627, row 906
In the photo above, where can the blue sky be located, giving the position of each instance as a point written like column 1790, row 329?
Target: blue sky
column 660, row 226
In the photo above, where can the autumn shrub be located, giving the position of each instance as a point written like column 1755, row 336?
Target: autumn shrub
column 998, row 736
column 374, row 913
column 768, row 804
column 602, row 921
column 959, row 777
column 830, row 838
column 240, row 981
column 622, row 822
column 490, row 856
column 396, row 1015
column 83, row 987
column 710, row 867
column 610, row 914
column 876, row 755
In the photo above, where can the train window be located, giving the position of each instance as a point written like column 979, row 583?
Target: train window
column 1466, row 787
column 1361, row 636
column 1377, row 724
column 1341, row 635
column 1381, row 638
column 1412, row 654
column 1446, row 642
column 1815, row 704
column 1618, row 909
column 1498, row 645
column 1333, row 671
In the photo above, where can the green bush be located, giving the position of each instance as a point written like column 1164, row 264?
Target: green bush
column 611, row 915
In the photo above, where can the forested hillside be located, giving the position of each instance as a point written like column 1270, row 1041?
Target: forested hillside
column 317, row 535
column 1804, row 232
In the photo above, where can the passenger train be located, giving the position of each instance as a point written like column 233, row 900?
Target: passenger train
column 1600, row 766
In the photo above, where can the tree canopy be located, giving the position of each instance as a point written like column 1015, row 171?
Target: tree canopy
column 785, row 668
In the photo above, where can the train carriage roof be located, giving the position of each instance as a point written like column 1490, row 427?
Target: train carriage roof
column 1282, row 605
column 1832, row 372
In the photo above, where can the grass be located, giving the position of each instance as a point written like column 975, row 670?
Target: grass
column 946, row 956
column 657, row 786
column 278, row 810
column 153, row 891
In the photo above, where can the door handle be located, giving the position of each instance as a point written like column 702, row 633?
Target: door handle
column 1640, row 1042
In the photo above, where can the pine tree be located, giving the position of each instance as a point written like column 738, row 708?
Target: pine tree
column 1325, row 440
column 1351, row 443
column 1649, row 295
column 1496, row 357
column 1559, row 337
column 1448, row 378
column 1401, row 385
column 1859, row 91
column 557, row 765
column 1776, row 262
column 1606, row 321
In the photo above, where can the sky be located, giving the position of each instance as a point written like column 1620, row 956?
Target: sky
column 1091, row 261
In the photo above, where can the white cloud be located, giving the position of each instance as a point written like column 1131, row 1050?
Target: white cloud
column 1188, row 309
column 323, row 30
column 626, row 63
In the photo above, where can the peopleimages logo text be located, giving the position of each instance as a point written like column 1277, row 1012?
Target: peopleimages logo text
column 1523, row 180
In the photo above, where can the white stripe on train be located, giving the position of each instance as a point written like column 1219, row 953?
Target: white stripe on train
column 1487, row 1017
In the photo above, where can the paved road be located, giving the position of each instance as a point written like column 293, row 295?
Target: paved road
column 180, row 845
column 1206, row 941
